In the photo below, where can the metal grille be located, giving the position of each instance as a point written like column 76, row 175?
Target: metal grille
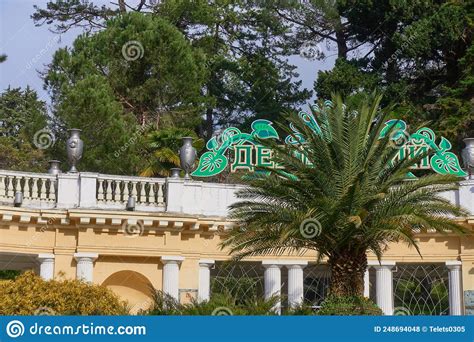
column 316, row 284
column 421, row 289
column 242, row 280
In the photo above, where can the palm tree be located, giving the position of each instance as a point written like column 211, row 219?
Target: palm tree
column 340, row 179
column 164, row 145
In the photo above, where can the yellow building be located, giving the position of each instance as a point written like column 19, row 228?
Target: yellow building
column 76, row 225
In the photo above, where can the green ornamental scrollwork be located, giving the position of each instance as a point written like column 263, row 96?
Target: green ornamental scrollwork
column 443, row 161
column 214, row 160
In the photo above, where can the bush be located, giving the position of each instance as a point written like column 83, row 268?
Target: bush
column 349, row 306
column 28, row 294
column 300, row 310
column 219, row 304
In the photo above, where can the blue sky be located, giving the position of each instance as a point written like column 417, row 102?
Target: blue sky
column 30, row 48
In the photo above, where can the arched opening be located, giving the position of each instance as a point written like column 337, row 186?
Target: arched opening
column 132, row 287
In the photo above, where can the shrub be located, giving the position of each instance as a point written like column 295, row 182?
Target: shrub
column 349, row 306
column 28, row 294
column 300, row 310
column 219, row 304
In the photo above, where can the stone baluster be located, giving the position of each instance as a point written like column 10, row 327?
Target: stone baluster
column 34, row 188
column 43, row 189
column 108, row 193
column 161, row 200
column 126, row 192
column 2, row 186
column 52, row 190
column 151, row 194
column 26, row 188
column 10, row 192
column 100, row 191
column 142, row 192
column 134, row 189
column 18, row 184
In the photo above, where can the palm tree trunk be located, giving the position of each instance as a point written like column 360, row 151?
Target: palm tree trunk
column 347, row 273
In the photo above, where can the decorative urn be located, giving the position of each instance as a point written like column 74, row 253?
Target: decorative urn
column 75, row 147
column 175, row 172
column 187, row 156
column 468, row 156
column 54, row 167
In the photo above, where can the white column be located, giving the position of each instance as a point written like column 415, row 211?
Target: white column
column 295, row 284
column 204, row 290
column 272, row 281
column 171, row 274
column 455, row 298
column 46, row 265
column 367, row 282
column 85, row 266
column 384, row 286
column 370, row 263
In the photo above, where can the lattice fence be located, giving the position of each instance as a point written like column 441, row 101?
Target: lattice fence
column 421, row 289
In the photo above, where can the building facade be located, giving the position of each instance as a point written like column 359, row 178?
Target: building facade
column 81, row 225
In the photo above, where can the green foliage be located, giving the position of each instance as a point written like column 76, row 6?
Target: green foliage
column 247, row 71
column 242, row 288
column 349, row 306
column 219, row 304
column 360, row 200
column 164, row 145
column 101, row 87
column 8, row 274
column 106, row 129
column 417, row 52
column 346, row 78
column 22, row 114
column 20, row 155
column 28, row 294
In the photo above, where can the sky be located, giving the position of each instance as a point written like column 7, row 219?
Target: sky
column 30, row 49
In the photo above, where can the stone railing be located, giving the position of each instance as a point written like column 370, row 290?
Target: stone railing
column 88, row 190
column 114, row 191
column 37, row 189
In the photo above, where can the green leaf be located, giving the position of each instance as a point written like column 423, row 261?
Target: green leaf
column 264, row 129
column 210, row 164
column 447, row 163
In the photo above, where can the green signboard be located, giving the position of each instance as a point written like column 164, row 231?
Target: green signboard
column 240, row 151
